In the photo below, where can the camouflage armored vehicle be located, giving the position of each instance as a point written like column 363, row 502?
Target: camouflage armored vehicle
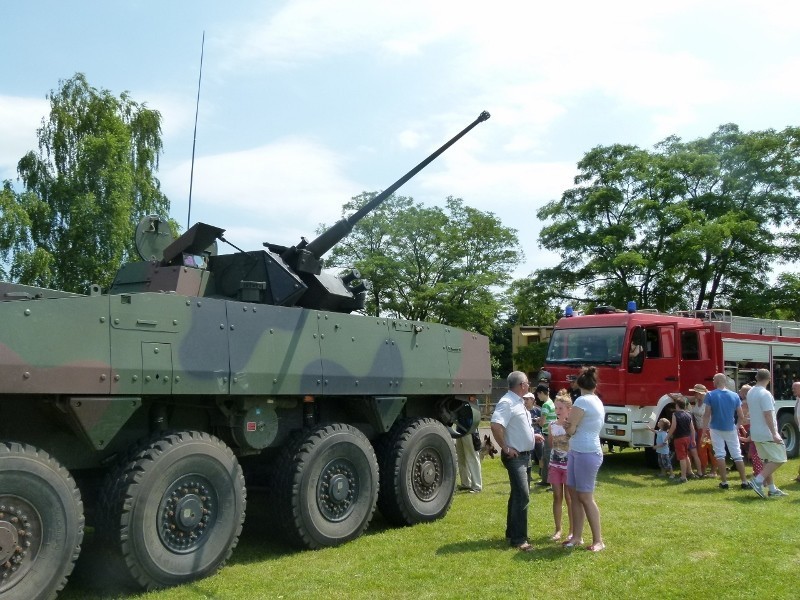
column 146, row 411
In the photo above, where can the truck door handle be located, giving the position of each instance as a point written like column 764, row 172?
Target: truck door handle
column 670, row 379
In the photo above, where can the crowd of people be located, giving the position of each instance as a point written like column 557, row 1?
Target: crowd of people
column 560, row 437
column 741, row 427
column 573, row 459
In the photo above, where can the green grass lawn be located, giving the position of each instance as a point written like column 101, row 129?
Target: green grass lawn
column 664, row 540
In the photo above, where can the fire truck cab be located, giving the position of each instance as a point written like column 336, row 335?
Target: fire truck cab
column 643, row 356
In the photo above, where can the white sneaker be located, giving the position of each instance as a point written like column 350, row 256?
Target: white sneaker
column 776, row 492
column 757, row 488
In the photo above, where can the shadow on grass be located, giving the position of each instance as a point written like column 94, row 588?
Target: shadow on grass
column 619, row 481
column 543, row 548
column 259, row 542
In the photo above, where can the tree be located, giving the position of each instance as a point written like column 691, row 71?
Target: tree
column 778, row 301
column 533, row 304
column 430, row 264
column 702, row 221
column 14, row 224
column 87, row 187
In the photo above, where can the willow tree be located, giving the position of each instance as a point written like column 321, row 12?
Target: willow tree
column 85, row 189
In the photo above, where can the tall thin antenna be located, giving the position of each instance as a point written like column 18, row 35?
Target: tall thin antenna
column 194, row 138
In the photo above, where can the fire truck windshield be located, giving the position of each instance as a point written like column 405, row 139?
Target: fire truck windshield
column 591, row 345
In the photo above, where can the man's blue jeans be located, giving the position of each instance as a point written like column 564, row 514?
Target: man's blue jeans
column 517, row 516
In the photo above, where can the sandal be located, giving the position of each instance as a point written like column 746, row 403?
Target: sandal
column 570, row 543
column 596, row 547
column 525, row 547
column 555, row 537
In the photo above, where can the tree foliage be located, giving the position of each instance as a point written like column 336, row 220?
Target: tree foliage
column 85, row 189
column 430, row 264
column 702, row 221
column 530, row 358
column 532, row 303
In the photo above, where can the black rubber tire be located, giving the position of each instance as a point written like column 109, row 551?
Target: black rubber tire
column 788, row 429
column 418, row 472
column 651, row 458
column 38, row 496
column 327, row 486
column 182, row 485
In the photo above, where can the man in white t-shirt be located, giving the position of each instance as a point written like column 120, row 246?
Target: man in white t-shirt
column 764, row 433
column 796, row 394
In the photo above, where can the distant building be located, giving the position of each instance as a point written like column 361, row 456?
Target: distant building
column 523, row 335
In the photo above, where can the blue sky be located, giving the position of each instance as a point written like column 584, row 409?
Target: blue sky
column 307, row 103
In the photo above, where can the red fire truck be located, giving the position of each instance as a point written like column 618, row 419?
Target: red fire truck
column 643, row 356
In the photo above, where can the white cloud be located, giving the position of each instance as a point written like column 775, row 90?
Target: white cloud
column 409, row 138
column 307, row 30
column 19, row 120
column 280, row 191
column 176, row 115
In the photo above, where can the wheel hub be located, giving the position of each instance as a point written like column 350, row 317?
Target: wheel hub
column 428, row 472
column 8, row 540
column 187, row 514
column 20, row 538
column 427, row 476
column 338, row 490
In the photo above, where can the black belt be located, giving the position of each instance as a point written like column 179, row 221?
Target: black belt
column 523, row 453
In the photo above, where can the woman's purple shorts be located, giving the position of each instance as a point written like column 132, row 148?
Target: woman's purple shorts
column 582, row 470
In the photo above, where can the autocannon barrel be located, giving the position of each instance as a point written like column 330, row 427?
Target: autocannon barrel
column 337, row 232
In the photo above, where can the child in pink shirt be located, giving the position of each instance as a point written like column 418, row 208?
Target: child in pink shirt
column 557, row 472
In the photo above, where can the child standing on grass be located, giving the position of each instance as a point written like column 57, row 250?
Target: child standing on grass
column 748, row 445
column 681, row 430
column 557, row 471
column 662, row 448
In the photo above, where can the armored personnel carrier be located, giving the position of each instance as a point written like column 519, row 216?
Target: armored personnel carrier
column 147, row 410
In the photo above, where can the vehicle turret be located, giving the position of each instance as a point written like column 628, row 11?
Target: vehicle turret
column 277, row 275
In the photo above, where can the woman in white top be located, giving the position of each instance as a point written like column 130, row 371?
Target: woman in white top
column 585, row 457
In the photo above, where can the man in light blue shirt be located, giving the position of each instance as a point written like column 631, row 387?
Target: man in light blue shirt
column 721, row 406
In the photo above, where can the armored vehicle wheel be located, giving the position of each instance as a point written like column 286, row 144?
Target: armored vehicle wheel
column 41, row 523
column 788, row 428
column 327, row 486
column 175, row 511
column 417, row 460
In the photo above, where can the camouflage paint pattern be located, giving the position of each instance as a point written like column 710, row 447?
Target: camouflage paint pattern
column 104, row 356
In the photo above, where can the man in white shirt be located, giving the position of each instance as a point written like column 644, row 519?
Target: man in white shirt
column 796, row 394
column 764, row 432
column 513, row 431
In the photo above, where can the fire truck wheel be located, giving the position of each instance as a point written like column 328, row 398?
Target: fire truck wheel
column 174, row 512
column 650, row 458
column 41, row 523
column 418, row 472
column 327, row 486
column 788, row 428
